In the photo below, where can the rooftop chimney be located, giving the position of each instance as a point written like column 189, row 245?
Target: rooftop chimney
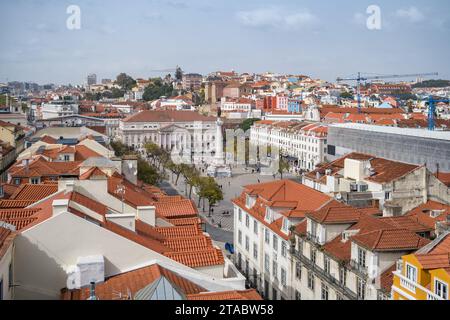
column 147, row 214
column 70, row 184
column 60, row 206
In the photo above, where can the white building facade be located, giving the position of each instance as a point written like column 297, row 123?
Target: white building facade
column 186, row 132
column 306, row 143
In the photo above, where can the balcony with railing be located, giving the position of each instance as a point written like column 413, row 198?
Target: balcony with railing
column 359, row 268
column 312, row 237
column 323, row 275
column 415, row 288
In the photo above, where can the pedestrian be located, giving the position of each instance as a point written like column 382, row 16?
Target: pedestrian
column 229, row 183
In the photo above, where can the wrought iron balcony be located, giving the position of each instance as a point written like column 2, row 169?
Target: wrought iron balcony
column 312, row 237
column 325, row 276
column 359, row 268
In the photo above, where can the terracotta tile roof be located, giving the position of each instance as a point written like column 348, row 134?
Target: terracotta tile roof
column 387, row 278
column 34, row 192
column 384, row 170
column 325, row 109
column 185, row 221
column 436, row 255
column 40, row 167
column 442, row 247
column 301, row 228
column 444, row 177
column 181, row 242
column 287, row 190
column 15, row 204
column 134, row 195
column 92, row 172
column 296, row 198
column 390, row 240
column 89, row 203
column 6, row 238
column 434, row 261
column 407, row 222
column 170, row 199
column 9, row 189
column 176, row 209
column 20, row 218
column 197, row 259
column 422, row 213
column 148, row 230
column 339, row 213
column 82, row 153
column 125, row 285
column 167, row 116
column 179, row 232
column 48, row 139
column 250, row 294
column 340, row 249
column 189, row 244
column 143, row 240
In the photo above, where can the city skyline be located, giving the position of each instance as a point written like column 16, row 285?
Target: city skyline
column 298, row 37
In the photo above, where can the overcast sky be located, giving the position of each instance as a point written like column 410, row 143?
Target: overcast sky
column 323, row 39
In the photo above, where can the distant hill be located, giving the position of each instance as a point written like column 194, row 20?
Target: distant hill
column 432, row 84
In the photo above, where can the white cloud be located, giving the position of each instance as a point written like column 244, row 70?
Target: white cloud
column 412, row 14
column 276, row 18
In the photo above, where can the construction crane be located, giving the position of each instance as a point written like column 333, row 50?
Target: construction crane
column 431, row 111
column 361, row 78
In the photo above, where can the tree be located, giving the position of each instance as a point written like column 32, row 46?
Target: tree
column 147, row 173
column 283, row 166
column 178, row 74
column 156, row 89
column 117, row 93
column 176, row 169
column 346, row 95
column 432, row 84
column 153, row 151
column 120, row 149
column 210, row 190
column 125, row 81
column 191, row 176
column 248, row 123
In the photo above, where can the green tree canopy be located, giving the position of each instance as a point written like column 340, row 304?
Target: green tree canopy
column 346, row 95
column 147, row 173
column 125, row 81
column 283, row 166
column 156, row 89
column 247, row 123
column 210, row 190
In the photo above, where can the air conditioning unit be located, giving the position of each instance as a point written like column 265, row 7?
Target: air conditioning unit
column 362, row 187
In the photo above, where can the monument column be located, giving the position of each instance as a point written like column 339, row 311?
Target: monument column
column 218, row 159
